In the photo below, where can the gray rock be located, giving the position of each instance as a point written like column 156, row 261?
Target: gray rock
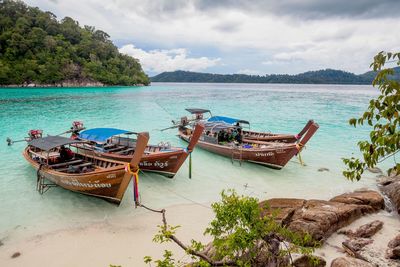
column 395, row 242
column 323, row 170
column 350, row 262
column 355, row 245
column 396, row 253
column 16, row 255
column 390, row 186
column 393, row 251
column 365, row 231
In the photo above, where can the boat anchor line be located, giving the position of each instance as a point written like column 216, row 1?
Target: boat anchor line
column 41, row 185
column 237, row 155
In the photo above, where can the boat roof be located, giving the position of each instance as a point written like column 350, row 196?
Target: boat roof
column 49, row 142
column 217, row 126
column 197, row 110
column 227, row 120
column 101, row 135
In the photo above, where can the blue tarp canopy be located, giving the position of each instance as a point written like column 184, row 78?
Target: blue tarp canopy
column 227, row 120
column 101, row 135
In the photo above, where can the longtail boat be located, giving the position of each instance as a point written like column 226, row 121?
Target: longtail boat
column 83, row 173
column 118, row 145
column 205, row 116
column 270, row 154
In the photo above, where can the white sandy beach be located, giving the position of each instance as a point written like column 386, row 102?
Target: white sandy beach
column 123, row 243
column 127, row 241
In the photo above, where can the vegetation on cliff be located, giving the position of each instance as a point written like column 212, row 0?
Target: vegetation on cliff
column 327, row 76
column 37, row 48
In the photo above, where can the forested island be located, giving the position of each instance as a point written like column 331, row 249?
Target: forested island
column 327, row 76
column 38, row 50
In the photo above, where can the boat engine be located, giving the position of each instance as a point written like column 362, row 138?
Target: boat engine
column 34, row 134
column 77, row 126
column 199, row 116
column 184, row 121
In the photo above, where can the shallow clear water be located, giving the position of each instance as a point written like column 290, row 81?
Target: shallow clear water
column 277, row 108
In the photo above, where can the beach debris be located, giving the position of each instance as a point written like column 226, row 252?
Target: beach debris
column 390, row 186
column 16, row 255
column 364, row 231
column 350, row 262
column 323, row 170
column 1, row 243
column 306, row 261
column 375, row 170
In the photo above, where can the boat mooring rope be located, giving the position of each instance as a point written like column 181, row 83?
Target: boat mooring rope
column 299, row 147
column 38, row 179
column 175, row 193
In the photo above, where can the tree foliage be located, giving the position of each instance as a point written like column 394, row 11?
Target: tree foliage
column 37, row 48
column 238, row 231
column 327, row 76
column 383, row 115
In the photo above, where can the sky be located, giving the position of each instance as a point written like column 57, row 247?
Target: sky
column 255, row 37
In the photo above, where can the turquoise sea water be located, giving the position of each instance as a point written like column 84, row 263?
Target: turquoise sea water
column 277, row 108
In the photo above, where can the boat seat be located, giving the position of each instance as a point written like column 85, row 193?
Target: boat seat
column 126, row 151
column 86, row 164
column 109, row 146
column 76, row 167
column 71, row 162
column 115, row 149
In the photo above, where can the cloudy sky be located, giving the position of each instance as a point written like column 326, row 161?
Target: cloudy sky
column 242, row 36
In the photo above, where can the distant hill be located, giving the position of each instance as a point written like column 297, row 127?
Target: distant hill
column 327, row 76
column 37, row 49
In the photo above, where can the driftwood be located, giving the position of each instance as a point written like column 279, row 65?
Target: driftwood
column 352, row 251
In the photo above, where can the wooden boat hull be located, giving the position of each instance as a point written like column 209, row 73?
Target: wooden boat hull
column 164, row 163
column 270, row 154
column 109, row 184
column 272, row 157
column 249, row 136
column 269, row 137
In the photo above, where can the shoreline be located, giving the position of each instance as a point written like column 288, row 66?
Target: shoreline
column 119, row 242
column 125, row 241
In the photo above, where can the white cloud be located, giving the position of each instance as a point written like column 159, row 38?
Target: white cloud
column 250, row 72
column 168, row 60
column 288, row 42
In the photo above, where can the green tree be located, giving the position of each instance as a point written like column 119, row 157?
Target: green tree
column 383, row 115
column 243, row 235
column 35, row 47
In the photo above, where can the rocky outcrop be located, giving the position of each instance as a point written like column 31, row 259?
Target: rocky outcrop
column 321, row 218
column 364, row 231
column 390, row 186
column 353, row 246
column 350, row 262
column 362, row 197
column 393, row 251
column 65, row 83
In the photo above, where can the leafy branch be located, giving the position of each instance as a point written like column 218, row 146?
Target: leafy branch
column 242, row 236
column 383, row 115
